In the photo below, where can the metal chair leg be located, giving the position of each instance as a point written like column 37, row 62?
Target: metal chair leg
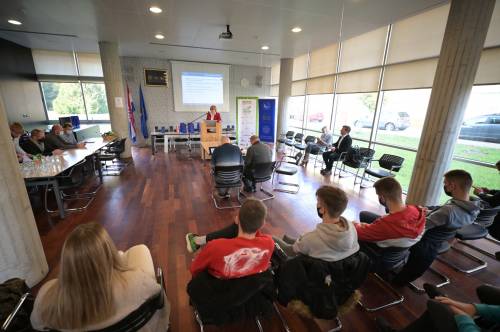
column 482, row 264
column 399, row 298
column 482, row 251
column 228, row 207
column 198, row 320
column 338, row 327
column 445, row 281
column 259, row 325
column 282, row 319
column 267, row 193
column 276, row 188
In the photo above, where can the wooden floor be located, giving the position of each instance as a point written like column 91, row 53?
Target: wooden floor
column 158, row 199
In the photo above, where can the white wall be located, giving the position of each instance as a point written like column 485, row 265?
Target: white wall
column 160, row 101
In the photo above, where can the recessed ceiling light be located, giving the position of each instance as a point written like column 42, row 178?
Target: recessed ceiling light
column 265, row 48
column 159, row 36
column 155, row 9
column 15, row 22
column 297, row 29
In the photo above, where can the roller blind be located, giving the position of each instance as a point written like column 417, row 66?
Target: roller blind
column 299, row 88
column 54, row 62
column 275, row 89
column 275, row 74
column 300, row 67
column 493, row 36
column 323, row 61
column 320, row 85
column 89, row 64
column 410, row 75
column 359, row 81
column 489, row 67
column 364, row 51
column 419, row 36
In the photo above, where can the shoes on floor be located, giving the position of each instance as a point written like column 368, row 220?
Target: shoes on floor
column 432, row 291
column 383, row 325
column 191, row 246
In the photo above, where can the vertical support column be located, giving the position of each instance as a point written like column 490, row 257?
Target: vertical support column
column 21, row 251
column 463, row 42
column 115, row 95
column 285, row 92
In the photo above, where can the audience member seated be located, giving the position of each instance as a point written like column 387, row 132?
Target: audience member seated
column 323, row 142
column 442, row 222
column 343, row 144
column 381, row 236
column 18, row 135
column 490, row 196
column 257, row 153
column 446, row 315
column 54, row 141
column 35, row 145
column 226, row 154
column 213, row 114
column 98, row 286
column 67, row 135
column 235, row 259
column 327, row 266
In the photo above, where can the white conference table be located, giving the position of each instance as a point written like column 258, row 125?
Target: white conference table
column 45, row 171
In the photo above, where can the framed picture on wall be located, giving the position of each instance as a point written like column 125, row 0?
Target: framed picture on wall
column 155, row 77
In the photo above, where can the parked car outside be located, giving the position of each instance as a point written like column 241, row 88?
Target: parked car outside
column 316, row 117
column 388, row 121
column 484, row 128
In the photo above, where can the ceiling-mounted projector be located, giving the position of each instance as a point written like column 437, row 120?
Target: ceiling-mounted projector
column 226, row 34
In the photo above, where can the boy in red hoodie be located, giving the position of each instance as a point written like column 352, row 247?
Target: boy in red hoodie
column 247, row 253
column 384, row 238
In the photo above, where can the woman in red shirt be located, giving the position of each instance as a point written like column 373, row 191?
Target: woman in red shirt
column 213, row 114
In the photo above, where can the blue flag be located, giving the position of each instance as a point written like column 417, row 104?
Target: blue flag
column 144, row 114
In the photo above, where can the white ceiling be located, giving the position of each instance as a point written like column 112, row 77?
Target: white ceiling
column 194, row 25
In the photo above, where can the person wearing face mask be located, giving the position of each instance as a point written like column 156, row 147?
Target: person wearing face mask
column 54, row 141
column 322, row 143
column 402, row 227
column 67, row 134
column 334, row 239
column 441, row 225
column 36, row 144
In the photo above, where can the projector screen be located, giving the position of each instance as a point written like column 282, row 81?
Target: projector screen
column 196, row 86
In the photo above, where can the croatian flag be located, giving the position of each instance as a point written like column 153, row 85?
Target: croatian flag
column 144, row 114
column 131, row 119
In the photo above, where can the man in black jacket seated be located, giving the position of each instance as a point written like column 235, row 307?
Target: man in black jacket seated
column 343, row 144
column 226, row 154
column 53, row 141
column 35, row 145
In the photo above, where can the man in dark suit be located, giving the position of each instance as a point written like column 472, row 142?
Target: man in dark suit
column 257, row 153
column 226, row 154
column 53, row 141
column 35, row 145
column 343, row 144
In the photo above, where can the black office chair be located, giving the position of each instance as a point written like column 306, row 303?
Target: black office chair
column 388, row 164
column 357, row 158
column 297, row 140
column 284, row 169
column 228, row 177
column 287, row 137
column 263, row 172
column 113, row 154
column 307, row 140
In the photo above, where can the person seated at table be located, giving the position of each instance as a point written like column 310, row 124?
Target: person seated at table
column 334, row 238
column 67, row 135
column 35, row 145
column 257, row 153
column 343, row 144
column 213, row 114
column 54, row 141
column 18, row 135
column 402, row 227
column 226, row 154
column 98, row 285
column 323, row 142
column 236, row 251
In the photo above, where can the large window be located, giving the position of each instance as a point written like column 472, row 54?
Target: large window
column 319, row 111
column 296, row 111
column 357, row 111
column 87, row 100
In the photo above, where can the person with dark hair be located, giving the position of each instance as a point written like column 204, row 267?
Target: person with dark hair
column 343, row 144
column 35, row 145
column 441, row 225
column 54, row 141
column 334, row 238
column 236, row 251
column 401, row 228
column 67, row 135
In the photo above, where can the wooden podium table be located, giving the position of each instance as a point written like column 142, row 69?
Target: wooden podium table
column 205, row 148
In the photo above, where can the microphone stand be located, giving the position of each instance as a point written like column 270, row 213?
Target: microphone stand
column 189, row 132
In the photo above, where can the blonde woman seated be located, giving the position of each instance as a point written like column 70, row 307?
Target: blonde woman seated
column 98, row 286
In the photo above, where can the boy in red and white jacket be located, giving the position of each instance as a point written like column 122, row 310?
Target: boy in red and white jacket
column 236, row 251
column 401, row 228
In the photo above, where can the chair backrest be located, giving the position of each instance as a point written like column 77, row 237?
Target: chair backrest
column 391, row 162
column 263, row 171
column 309, row 139
column 486, row 217
column 358, row 157
column 183, row 128
column 228, row 176
column 298, row 137
column 191, row 128
column 119, row 146
column 289, row 134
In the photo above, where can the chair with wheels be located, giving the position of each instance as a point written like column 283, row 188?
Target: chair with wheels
column 263, row 172
column 228, row 177
column 388, row 164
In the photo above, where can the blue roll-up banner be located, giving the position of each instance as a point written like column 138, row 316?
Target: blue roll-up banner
column 267, row 119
